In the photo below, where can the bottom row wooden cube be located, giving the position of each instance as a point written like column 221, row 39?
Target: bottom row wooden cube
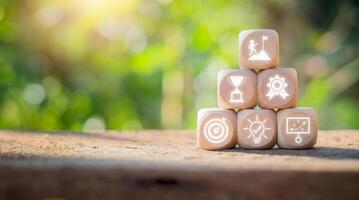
column 256, row 128
column 297, row 128
column 216, row 129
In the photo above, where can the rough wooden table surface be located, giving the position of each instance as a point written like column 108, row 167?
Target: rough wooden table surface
column 168, row 165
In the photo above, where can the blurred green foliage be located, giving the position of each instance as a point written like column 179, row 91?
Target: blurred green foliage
column 128, row 65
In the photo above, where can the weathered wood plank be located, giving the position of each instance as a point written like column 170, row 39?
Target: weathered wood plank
column 168, row 165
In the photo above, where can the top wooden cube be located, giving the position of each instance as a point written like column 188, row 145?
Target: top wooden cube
column 258, row 49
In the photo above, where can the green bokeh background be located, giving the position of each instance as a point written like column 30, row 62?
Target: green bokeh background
column 151, row 64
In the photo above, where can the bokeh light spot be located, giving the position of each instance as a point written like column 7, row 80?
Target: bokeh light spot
column 34, row 94
column 94, row 124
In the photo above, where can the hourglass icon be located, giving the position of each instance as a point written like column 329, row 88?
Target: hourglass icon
column 236, row 94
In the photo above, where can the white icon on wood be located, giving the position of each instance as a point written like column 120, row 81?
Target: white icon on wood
column 216, row 130
column 236, row 94
column 298, row 126
column 257, row 130
column 277, row 86
column 254, row 55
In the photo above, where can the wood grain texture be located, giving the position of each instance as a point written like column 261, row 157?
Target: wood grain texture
column 168, row 165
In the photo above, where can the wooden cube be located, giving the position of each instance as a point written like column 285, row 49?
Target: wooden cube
column 236, row 89
column 278, row 88
column 297, row 128
column 216, row 129
column 258, row 49
column 256, row 128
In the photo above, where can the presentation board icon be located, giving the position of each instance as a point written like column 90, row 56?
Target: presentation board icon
column 298, row 126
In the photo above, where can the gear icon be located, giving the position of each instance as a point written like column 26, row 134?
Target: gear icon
column 277, row 86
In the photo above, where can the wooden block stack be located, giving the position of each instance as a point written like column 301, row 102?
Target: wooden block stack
column 257, row 102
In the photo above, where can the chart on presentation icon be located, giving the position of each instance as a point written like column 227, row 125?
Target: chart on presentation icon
column 216, row 129
column 278, row 88
column 297, row 128
column 256, row 128
column 236, row 89
column 259, row 49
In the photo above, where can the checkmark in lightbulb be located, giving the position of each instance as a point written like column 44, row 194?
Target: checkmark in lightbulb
column 256, row 129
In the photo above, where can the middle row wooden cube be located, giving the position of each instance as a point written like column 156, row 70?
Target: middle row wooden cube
column 243, row 88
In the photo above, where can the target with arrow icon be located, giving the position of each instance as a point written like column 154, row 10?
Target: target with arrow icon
column 216, row 130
